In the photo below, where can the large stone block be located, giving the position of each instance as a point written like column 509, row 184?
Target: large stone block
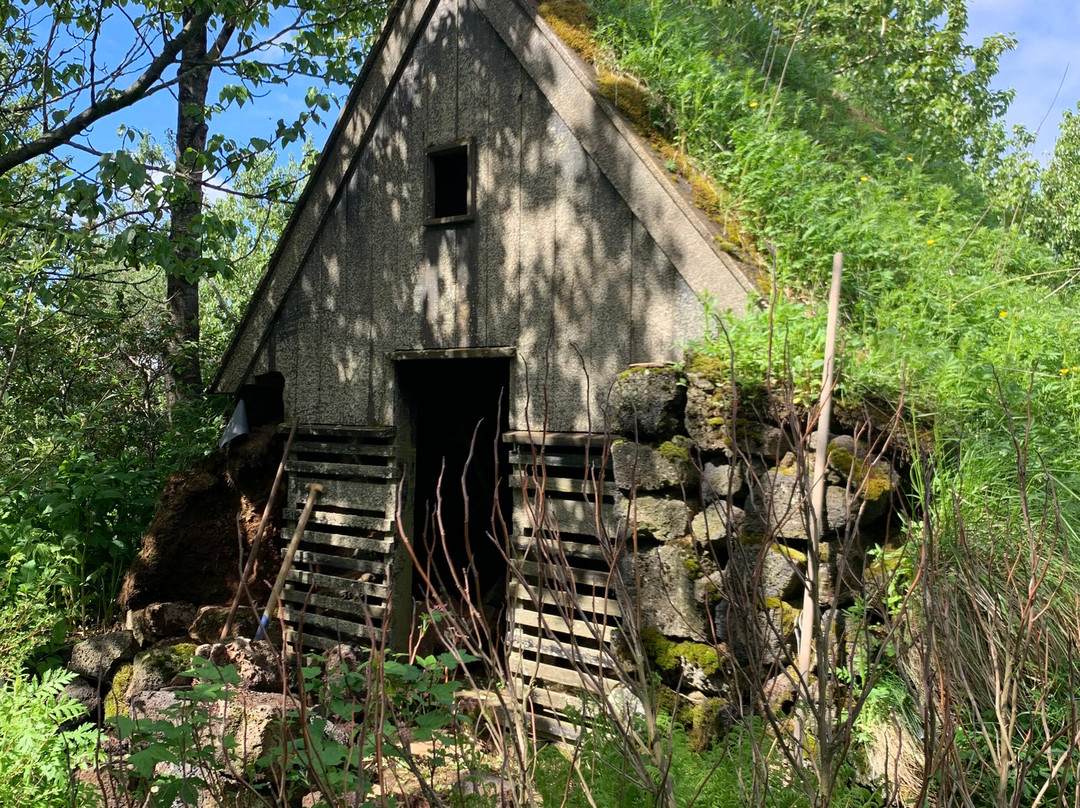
column 667, row 597
column 777, row 506
column 160, row 667
column 257, row 662
column 87, row 694
column 166, row 619
column 706, row 418
column 641, row 467
column 661, row 518
column 765, row 572
column 241, row 728
column 756, row 637
column 210, row 620
column 841, row 570
column 648, row 402
column 258, row 722
column 710, row 422
column 717, row 522
column 97, row 657
column 719, row 481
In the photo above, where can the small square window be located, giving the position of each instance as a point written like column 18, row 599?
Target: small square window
column 450, row 183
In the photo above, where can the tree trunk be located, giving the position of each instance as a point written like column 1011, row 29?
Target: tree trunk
column 185, row 375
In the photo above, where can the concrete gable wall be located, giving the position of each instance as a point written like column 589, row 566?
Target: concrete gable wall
column 555, row 263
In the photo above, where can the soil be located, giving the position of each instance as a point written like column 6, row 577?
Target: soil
column 190, row 553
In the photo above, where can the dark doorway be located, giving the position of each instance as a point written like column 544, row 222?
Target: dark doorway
column 458, row 412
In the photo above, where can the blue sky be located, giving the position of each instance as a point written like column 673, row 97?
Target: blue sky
column 1048, row 32
column 1049, row 36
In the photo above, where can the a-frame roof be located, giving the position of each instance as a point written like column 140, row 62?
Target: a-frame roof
column 629, row 164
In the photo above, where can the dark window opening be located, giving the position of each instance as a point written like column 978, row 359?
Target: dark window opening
column 450, row 183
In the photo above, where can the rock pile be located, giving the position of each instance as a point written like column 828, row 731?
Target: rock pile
column 718, row 506
column 114, row 670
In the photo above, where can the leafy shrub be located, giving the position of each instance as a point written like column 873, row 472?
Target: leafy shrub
column 367, row 717
column 36, row 759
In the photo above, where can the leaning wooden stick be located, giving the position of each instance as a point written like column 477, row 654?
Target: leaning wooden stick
column 809, row 620
column 314, row 489
column 257, row 543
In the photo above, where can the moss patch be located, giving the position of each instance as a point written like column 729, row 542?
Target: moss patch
column 573, row 22
column 116, row 702
column 675, row 450
column 867, row 480
column 790, row 553
column 708, row 367
column 706, row 723
column 703, row 720
column 676, row 705
column 668, row 656
column 693, row 567
column 631, row 98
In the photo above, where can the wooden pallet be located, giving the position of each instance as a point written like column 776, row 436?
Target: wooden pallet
column 563, row 615
column 341, row 585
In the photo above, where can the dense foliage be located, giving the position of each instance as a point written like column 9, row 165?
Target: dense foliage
column 871, row 128
column 952, row 294
column 92, row 417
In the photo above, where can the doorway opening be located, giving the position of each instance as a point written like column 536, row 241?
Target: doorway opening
column 458, row 412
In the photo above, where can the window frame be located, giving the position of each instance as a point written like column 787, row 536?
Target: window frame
column 436, row 150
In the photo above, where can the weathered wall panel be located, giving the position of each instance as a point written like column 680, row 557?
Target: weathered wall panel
column 554, row 264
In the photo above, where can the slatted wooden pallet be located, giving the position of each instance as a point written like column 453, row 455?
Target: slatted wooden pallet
column 341, row 584
column 563, row 616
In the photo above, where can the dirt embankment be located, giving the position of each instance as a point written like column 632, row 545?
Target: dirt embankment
column 191, row 551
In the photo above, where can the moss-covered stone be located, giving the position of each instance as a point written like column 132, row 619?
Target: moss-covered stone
column 640, row 467
column 705, row 719
column 116, row 701
column 662, row 518
column 872, row 481
column 677, row 705
column 708, row 724
column 717, row 522
column 156, row 668
column 670, row 657
column 648, row 403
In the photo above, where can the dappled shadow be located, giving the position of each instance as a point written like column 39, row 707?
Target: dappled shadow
column 555, row 264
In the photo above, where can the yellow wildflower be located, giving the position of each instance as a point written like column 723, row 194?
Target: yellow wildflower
column 753, row 104
column 1064, row 371
column 911, row 159
column 929, row 241
column 863, row 178
column 1003, row 313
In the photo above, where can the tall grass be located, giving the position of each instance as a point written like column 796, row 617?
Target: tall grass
column 944, row 294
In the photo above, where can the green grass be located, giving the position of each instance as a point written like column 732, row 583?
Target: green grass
column 943, row 300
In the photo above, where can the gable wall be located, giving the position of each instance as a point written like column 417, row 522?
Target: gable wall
column 555, row 263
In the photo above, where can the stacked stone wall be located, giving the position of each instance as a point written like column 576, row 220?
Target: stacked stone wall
column 714, row 491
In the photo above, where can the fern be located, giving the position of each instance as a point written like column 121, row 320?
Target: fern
column 37, row 758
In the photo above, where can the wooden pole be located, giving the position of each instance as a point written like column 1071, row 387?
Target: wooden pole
column 809, row 619
column 256, row 545
column 314, row 489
